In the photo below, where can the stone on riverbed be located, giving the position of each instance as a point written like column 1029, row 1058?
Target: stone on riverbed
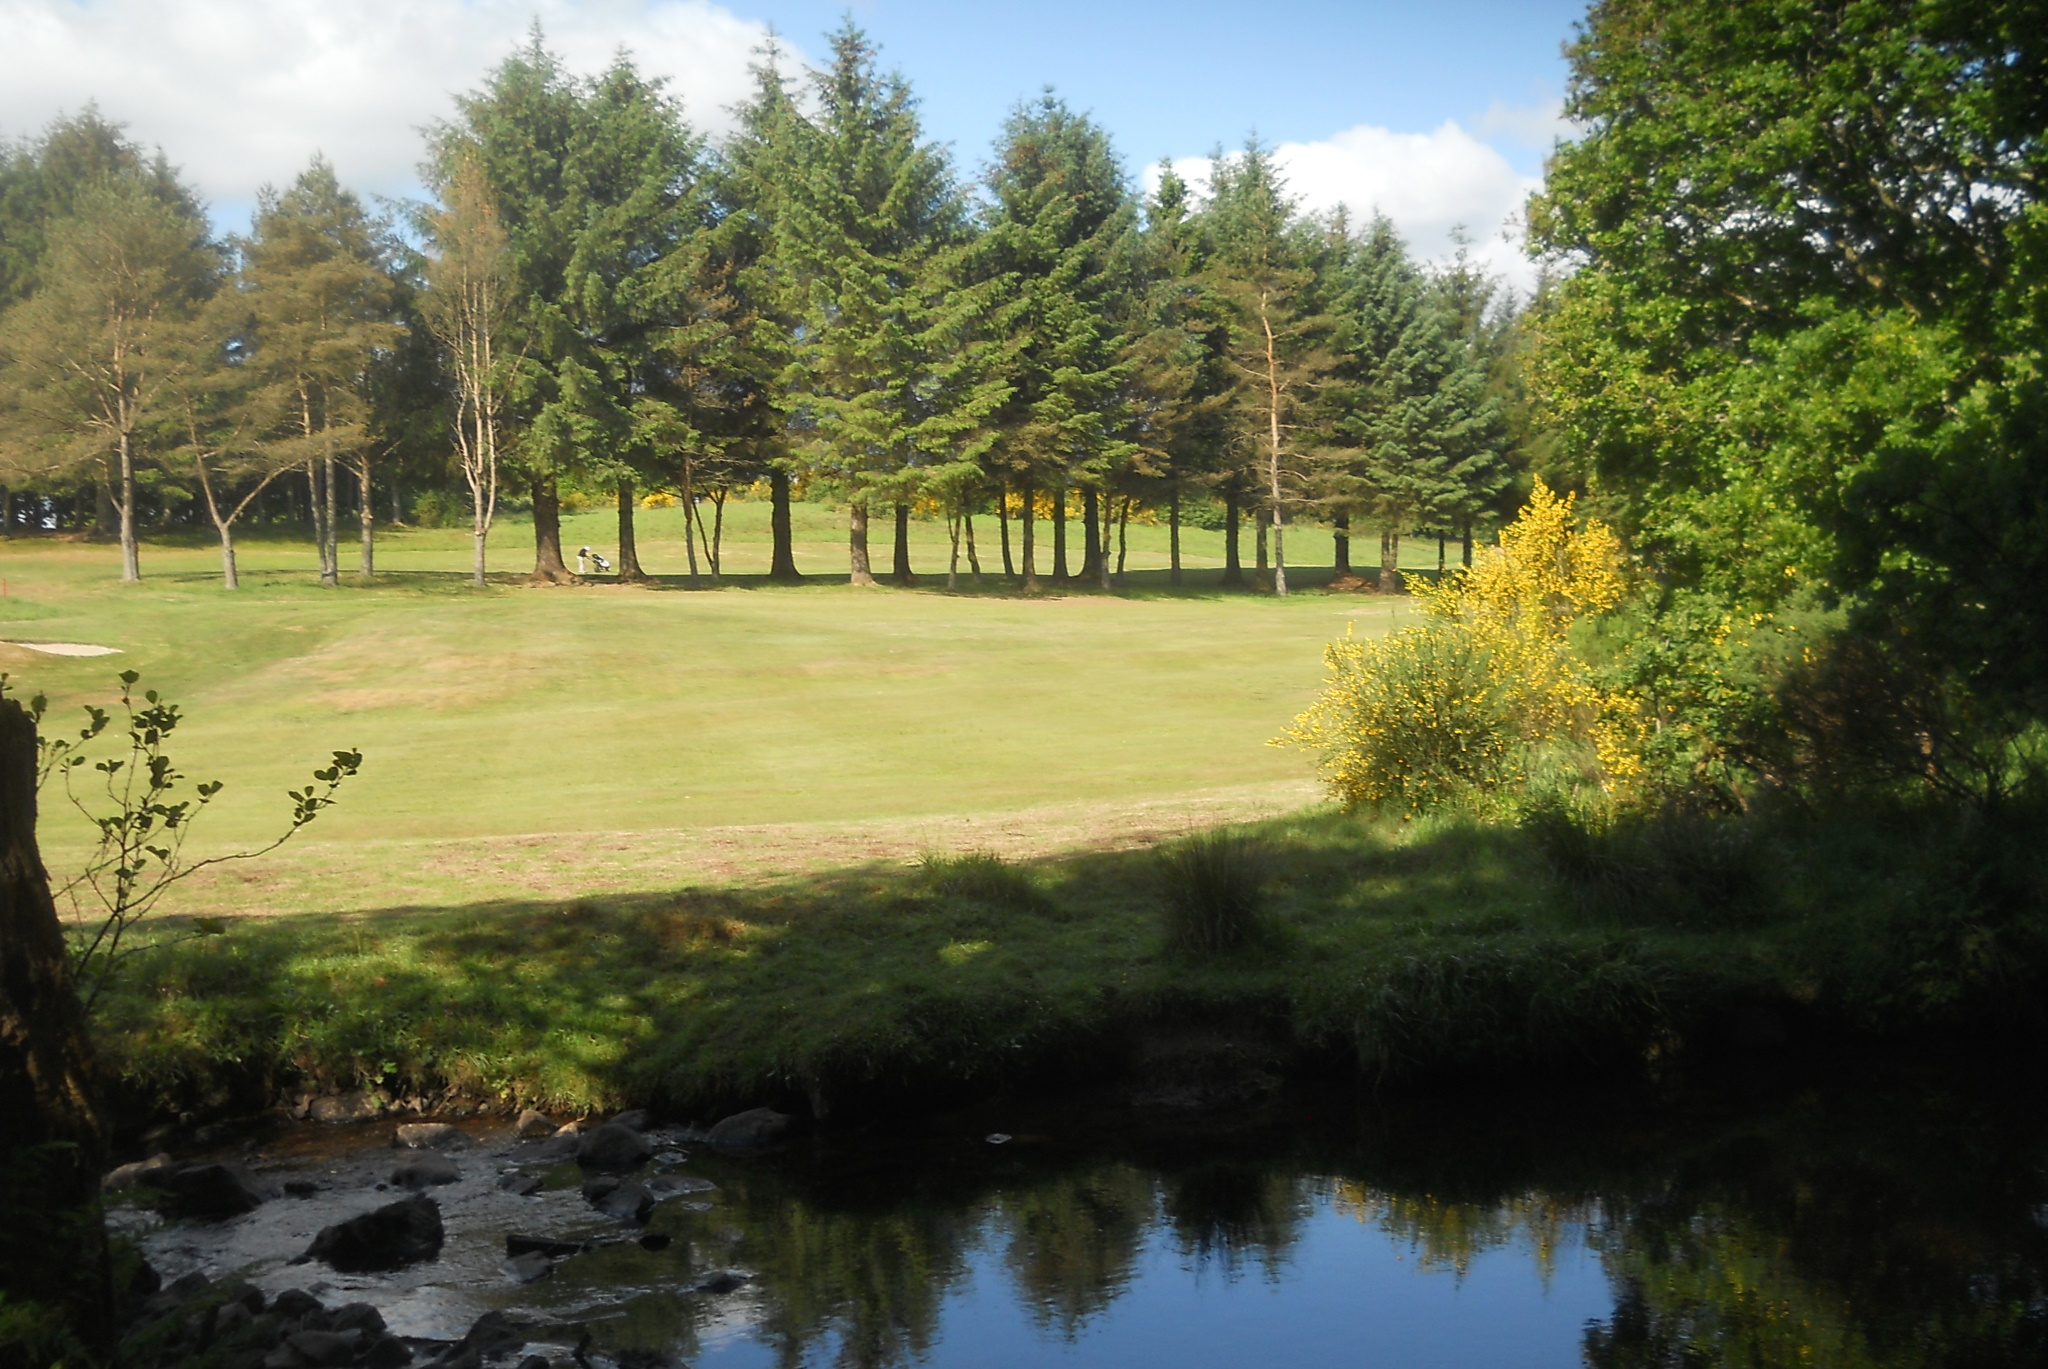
column 425, row 1172
column 347, row 1107
column 521, row 1185
column 613, row 1146
column 206, row 1190
column 325, row 1348
column 753, row 1129
column 397, row 1234
column 430, row 1136
column 128, row 1175
column 529, row 1267
column 533, row 1125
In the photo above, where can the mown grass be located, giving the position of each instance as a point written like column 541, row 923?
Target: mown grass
column 1398, row 951
column 525, row 742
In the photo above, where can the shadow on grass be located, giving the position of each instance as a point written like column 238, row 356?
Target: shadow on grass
column 1402, row 950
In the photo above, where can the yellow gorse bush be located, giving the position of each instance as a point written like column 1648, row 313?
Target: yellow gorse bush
column 1462, row 701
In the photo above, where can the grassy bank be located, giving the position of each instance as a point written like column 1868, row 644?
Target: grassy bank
column 1395, row 951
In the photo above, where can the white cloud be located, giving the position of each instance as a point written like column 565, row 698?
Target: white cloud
column 1538, row 126
column 243, row 92
column 1429, row 184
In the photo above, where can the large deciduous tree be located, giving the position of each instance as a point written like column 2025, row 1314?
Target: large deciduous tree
column 1801, row 351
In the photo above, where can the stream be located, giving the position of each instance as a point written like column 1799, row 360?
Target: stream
column 1886, row 1221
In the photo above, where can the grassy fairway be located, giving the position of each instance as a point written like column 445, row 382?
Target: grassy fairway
column 551, row 742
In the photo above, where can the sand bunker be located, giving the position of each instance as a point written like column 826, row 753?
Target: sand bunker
column 67, row 648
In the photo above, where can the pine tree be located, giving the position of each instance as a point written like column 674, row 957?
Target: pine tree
column 317, row 280
column 89, row 362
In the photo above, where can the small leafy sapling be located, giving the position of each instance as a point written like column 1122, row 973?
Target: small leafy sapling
column 143, row 824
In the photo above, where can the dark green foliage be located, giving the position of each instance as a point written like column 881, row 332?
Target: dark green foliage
column 1799, row 357
column 1673, row 868
column 1214, row 886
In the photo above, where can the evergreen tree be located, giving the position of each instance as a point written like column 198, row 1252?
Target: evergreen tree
column 1264, row 267
column 753, row 172
column 1061, row 218
column 88, row 363
column 595, row 185
column 890, row 379
column 1177, row 348
column 317, row 280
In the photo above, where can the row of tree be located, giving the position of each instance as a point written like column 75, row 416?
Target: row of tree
column 597, row 300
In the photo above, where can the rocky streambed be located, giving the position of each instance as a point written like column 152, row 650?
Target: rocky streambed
column 437, row 1243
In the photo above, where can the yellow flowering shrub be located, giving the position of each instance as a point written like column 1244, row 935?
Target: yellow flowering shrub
column 1463, row 700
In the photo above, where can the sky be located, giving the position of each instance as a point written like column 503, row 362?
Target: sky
column 1437, row 114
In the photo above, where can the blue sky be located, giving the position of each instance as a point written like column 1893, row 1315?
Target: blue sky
column 1173, row 79
column 1437, row 114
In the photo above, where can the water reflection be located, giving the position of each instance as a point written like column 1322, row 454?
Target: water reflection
column 1871, row 1231
column 1882, row 1226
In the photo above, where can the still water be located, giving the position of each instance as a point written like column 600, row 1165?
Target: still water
column 1870, row 1222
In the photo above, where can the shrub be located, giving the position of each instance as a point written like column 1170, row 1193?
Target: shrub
column 1466, row 701
column 1214, row 887
column 436, row 509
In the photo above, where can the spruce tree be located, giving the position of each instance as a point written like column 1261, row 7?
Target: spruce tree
column 890, row 380
column 1059, row 226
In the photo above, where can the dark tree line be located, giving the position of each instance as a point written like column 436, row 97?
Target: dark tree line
column 599, row 300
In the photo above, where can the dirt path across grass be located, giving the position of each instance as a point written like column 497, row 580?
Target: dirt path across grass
column 361, row 876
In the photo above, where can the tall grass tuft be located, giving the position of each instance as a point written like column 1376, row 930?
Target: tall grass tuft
column 983, row 877
column 1214, row 886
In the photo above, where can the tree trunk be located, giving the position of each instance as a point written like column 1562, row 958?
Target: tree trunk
column 1280, row 552
column 1468, row 544
column 1059, row 536
column 1390, row 562
column 46, row 1084
column 548, row 566
column 1123, row 538
column 1172, row 539
column 131, row 565
column 953, row 559
column 1003, row 517
column 53, row 1250
column 628, row 563
column 973, row 561
column 900, row 554
column 1029, row 517
column 366, row 513
column 857, row 544
column 1262, row 578
column 1093, row 563
column 229, row 577
column 1233, row 565
column 1442, row 542
column 782, row 567
column 330, row 546
column 718, row 534
column 1341, row 537
column 397, row 504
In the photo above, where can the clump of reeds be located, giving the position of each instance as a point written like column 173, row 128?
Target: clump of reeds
column 1214, row 886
